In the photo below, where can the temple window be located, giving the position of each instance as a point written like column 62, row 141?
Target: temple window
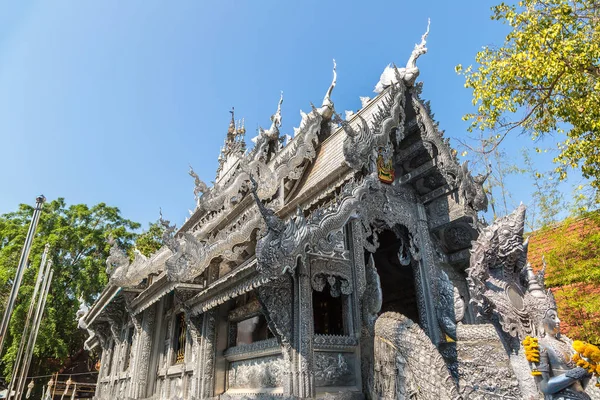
column 247, row 324
column 180, row 338
column 252, row 330
column 328, row 313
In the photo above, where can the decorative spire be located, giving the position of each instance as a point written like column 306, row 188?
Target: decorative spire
column 231, row 130
column 235, row 143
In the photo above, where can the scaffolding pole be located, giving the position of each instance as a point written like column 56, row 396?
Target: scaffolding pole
column 39, row 312
column 39, row 202
column 32, row 305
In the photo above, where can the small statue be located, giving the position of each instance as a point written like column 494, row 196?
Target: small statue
column 557, row 375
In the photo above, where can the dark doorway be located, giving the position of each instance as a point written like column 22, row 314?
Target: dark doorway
column 397, row 280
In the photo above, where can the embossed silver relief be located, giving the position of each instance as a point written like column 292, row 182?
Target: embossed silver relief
column 335, row 273
column 334, row 369
column 265, row 372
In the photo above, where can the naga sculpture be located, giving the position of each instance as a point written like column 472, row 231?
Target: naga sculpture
column 446, row 311
column 199, row 186
column 407, row 363
column 268, row 142
column 505, row 290
column 168, row 235
column 327, row 109
column 407, row 74
column 117, row 260
column 279, row 247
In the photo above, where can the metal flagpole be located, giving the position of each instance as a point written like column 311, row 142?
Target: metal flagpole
column 39, row 201
column 32, row 304
column 35, row 329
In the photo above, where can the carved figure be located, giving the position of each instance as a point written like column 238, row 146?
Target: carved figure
column 471, row 189
column 199, row 186
column 560, row 378
column 409, row 73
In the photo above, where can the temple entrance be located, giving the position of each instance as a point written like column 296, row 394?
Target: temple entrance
column 395, row 267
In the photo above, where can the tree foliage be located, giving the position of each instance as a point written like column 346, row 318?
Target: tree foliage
column 77, row 235
column 151, row 240
column 545, row 78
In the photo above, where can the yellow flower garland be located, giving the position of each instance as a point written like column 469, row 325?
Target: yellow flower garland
column 587, row 356
column 532, row 353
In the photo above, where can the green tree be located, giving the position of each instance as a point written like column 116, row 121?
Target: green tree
column 545, row 78
column 77, row 235
column 150, row 241
column 547, row 201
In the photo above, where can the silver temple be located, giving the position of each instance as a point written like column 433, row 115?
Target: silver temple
column 334, row 264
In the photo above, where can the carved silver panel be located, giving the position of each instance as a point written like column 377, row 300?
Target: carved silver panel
column 265, row 372
column 334, row 369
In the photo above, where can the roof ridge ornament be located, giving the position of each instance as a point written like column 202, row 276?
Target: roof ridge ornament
column 408, row 74
column 199, row 186
column 327, row 108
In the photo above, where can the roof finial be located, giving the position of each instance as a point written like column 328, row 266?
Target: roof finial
column 419, row 49
column 327, row 99
column 232, row 123
column 326, row 109
column 276, row 118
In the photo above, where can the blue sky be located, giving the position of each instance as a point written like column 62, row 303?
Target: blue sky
column 109, row 101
